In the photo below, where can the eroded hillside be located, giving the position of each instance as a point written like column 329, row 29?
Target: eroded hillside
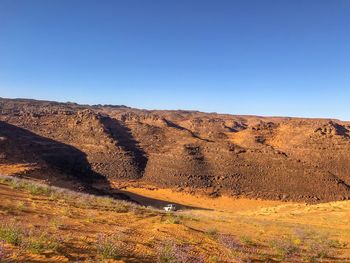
column 270, row 158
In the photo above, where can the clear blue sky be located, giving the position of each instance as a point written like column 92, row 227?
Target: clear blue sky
column 263, row 57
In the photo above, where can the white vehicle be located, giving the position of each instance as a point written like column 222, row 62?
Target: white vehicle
column 170, row 207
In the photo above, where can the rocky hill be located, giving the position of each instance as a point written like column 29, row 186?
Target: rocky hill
column 270, row 158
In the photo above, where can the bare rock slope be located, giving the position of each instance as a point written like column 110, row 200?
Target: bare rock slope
column 260, row 157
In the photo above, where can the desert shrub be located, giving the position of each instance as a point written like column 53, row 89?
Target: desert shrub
column 67, row 211
column 120, row 208
column 171, row 252
column 39, row 243
column 20, row 206
column 36, row 242
column 247, row 241
column 16, row 184
column 104, row 201
column 312, row 246
column 32, row 187
column 238, row 251
column 284, row 247
column 84, row 202
column 81, row 200
column 11, row 234
column 109, row 247
column 109, row 204
column 214, row 259
column 319, row 247
column 54, row 196
column 212, row 232
column 138, row 211
column 166, row 254
column 190, row 217
column 4, row 180
column 56, row 224
column 35, row 189
column 171, row 218
column 229, row 242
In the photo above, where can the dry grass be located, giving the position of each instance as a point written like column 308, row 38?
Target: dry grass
column 44, row 223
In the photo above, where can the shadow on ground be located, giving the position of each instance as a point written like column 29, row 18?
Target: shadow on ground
column 156, row 203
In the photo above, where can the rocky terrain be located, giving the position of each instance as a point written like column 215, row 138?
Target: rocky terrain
column 259, row 157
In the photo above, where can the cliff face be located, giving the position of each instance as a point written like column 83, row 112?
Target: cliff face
column 272, row 158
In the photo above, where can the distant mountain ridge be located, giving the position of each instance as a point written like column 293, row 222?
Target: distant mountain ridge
column 261, row 157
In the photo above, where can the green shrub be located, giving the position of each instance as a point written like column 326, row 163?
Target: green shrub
column 41, row 243
column 4, row 180
column 109, row 247
column 120, row 208
column 170, row 251
column 212, row 232
column 309, row 245
column 284, row 247
column 166, row 254
column 172, row 219
column 21, row 206
column 15, row 184
column 31, row 187
column 38, row 189
column 319, row 247
column 11, row 234
column 67, row 211
column 56, row 224
column 214, row 259
column 247, row 241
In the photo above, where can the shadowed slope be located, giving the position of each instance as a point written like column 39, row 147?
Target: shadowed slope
column 124, row 138
column 52, row 159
